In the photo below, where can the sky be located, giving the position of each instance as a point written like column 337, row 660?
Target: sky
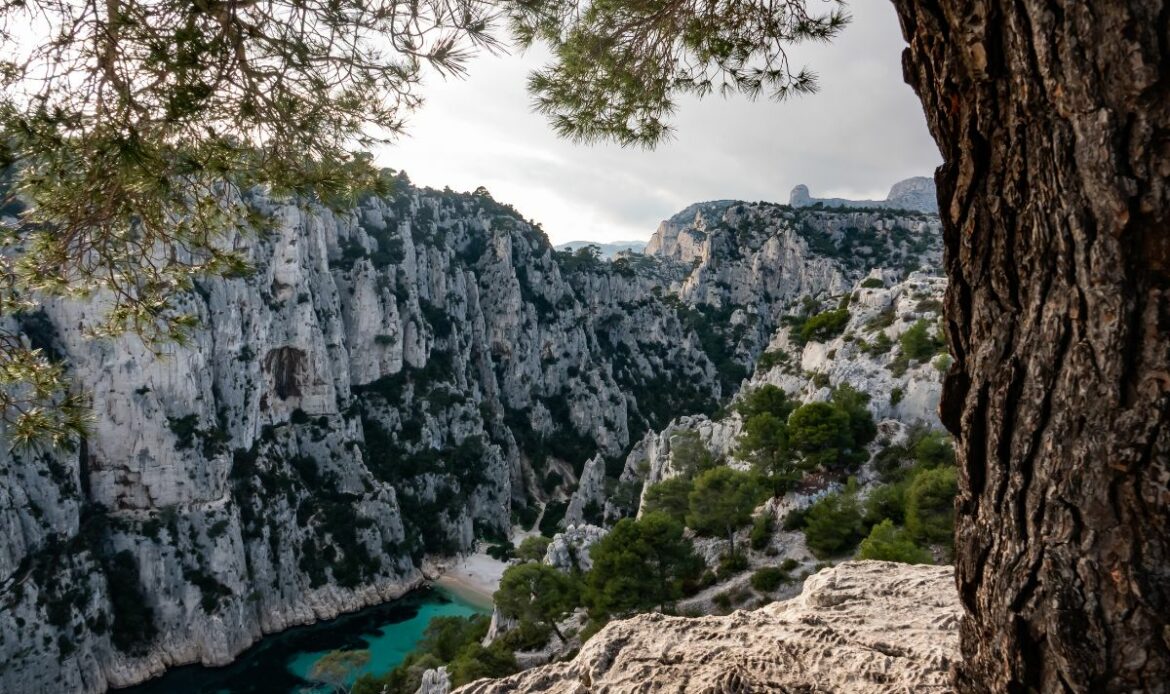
column 862, row 132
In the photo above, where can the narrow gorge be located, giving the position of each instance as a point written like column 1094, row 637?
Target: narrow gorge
column 397, row 383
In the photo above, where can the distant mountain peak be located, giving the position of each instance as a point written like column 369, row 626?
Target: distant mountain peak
column 916, row 194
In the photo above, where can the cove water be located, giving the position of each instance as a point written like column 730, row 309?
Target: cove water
column 279, row 664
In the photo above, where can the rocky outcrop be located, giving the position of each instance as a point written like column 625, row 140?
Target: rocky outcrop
column 569, row 550
column 587, row 504
column 435, row 681
column 857, row 627
column 916, row 194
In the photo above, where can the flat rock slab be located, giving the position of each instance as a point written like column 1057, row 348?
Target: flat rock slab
column 858, row 627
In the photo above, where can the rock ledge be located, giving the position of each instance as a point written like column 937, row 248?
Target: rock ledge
column 858, row 627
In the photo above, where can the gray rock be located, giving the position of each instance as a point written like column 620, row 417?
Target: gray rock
column 864, row 627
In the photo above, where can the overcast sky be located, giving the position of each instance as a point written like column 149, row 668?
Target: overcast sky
column 861, row 133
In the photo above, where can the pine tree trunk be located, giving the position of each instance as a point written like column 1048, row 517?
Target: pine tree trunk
column 1054, row 123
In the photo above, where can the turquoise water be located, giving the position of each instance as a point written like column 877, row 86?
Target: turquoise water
column 280, row 663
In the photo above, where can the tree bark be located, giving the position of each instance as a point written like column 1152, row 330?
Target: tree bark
column 1053, row 119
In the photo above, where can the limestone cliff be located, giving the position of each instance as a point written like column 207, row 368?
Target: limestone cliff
column 858, row 627
column 391, row 382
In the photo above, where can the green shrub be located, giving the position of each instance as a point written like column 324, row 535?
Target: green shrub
column 554, row 513
column 930, row 505
column 730, row 564
column 794, row 520
column 821, row 432
column 765, row 443
column 500, row 551
column 917, row 342
column 880, row 345
column 873, row 283
column 533, row 548
column 833, row 525
column 882, row 320
column 824, row 326
column 722, row 501
column 671, row 497
column 896, row 396
column 886, row 501
column 771, row 359
column 761, row 530
column 476, row 662
column 640, row 565
column 766, row 399
column 934, row 449
column 551, row 481
column 768, row 579
column 888, row 542
column 689, row 455
column 853, row 402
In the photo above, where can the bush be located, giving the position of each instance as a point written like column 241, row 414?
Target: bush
column 873, row 283
column 671, row 497
column 476, row 662
column 833, row 525
column 853, row 402
column 821, row 432
column 533, row 548
column 918, row 343
column 640, row 565
column 771, row 359
column 888, row 542
column 762, row 527
column 689, row 455
column 930, row 505
column 554, row 513
column 722, row 501
column 765, row 443
column 500, row 552
column 934, row 449
column 794, row 520
column 730, row 565
column 880, row 345
column 766, row 399
column 768, row 579
column 824, row 326
column 886, row 501
column 551, row 481
column 896, row 396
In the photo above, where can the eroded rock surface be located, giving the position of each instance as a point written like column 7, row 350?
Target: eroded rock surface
column 858, row 627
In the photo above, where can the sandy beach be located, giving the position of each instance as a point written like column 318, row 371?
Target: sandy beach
column 473, row 578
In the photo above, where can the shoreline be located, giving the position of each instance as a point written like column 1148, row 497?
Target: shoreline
column 473, row 578
column 465, row 590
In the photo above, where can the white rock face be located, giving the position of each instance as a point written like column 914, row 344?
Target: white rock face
column 858, row 627
column 908, row 394
column 570, row 549
column 435, row 681
column 390, row 382
column 590, row 494
column 358, row 402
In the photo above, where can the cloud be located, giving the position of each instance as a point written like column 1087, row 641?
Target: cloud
column 861, row 133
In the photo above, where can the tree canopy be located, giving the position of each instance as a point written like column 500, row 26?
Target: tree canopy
column 536, row 593
column 722, row 501
column 640, row 565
